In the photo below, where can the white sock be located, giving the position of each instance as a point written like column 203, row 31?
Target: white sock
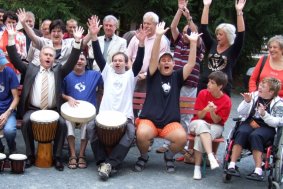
column 232, row 165
column 211, row 156
column 197, row 167
column 258, row 170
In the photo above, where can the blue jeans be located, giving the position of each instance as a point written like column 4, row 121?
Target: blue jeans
column 10, row 131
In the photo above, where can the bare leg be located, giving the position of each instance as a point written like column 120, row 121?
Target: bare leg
column 144, row 135
column 198, row 157
column 236, row 152
column 71, row 141
column 257, row 158
column 83, row 147
column 206, row 142
column 178, row 140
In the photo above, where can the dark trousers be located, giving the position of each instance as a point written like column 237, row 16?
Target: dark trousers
column 254, row 139
column 29, row 138
column 119, row 152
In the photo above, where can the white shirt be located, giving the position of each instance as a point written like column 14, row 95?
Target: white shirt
column 35, row 97
column 118, row 91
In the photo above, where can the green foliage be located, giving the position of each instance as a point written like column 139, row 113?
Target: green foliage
column 262, row 18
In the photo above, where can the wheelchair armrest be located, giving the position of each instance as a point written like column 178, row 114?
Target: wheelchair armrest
column 237, row 118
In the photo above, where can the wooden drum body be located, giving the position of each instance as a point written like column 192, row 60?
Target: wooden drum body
column 2, row 161
column 44, row 127
column 17, row 163
column 110, row 127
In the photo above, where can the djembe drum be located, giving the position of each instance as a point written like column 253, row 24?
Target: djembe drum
column 110, row 126
column 44, row 126
column 81, row 113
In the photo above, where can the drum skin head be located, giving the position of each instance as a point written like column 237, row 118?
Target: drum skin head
column 18, row 157
column 44, row 116
column 2, row 156
column 82, row 113
column 111, row 118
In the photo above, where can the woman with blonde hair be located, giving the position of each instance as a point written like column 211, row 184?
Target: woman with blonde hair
column 225, row 49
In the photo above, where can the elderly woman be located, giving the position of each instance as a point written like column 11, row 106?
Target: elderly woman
column 273, row 66
column 225, row 49
column 262, row 111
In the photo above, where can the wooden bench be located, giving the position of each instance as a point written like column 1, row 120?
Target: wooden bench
column 186, row 107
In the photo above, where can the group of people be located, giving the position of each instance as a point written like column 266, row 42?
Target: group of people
column 145, row 64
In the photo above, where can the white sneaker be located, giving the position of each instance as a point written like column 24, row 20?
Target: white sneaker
column 104, row 170
column 213, row 163
column 197, row 174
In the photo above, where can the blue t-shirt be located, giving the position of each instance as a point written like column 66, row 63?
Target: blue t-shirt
column 8, row 81
column 82, row 87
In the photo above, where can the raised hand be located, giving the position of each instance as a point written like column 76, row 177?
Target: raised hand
column 261, row 109
column 247, row 97
column 186, row 13
column 182, row 4
column 141, row 33
column 93, row 25
column 240, row 4
column 21, row 13
column 160, row 28
column 11, row 30
column 193, row 37
column 207, row 2
column 78, row 33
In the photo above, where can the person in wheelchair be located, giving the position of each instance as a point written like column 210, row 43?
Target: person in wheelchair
column 261, row 114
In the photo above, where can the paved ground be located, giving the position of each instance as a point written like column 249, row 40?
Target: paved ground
column 154, row 176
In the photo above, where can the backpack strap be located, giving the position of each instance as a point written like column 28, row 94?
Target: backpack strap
column 261, row 67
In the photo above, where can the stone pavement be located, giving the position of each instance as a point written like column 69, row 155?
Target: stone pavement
column 154, row 175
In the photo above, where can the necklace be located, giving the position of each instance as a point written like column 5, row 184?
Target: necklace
column 264, row 102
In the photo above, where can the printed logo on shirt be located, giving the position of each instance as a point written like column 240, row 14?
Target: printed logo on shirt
column 80, row 86
column 217, row 62
column 2, row 88
column 166, row 87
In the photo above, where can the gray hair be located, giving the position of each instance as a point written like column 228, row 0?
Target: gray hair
column 49, row 47
column 111, row 17
column 229, row 30
column 278, row 39
column 29, row 13
column 152, row 16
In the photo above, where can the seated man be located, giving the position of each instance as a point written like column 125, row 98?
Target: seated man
column 160, row 115
column 80, row 84
column 119, row 85
column 9, row 100
column 262, row 111
column 214, row 108
column 33, row 94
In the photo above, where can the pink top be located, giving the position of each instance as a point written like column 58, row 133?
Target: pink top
column 148, row 44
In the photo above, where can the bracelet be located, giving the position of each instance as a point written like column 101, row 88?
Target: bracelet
column 190, row 19
column 240, row 13
column 77, row 41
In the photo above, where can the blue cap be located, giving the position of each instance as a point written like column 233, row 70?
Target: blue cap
column 3, row 59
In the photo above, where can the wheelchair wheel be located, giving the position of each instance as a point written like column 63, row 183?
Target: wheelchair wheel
column 275, row 185
column 226, row 177
column 278, row 171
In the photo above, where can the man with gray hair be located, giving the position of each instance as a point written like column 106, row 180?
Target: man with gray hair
column 30, row 21
column 150, row 20
column 109, row 43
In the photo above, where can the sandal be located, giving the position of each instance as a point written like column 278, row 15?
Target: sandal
column 140, row 164
column 255, row 176
column 72, row 164
column 82, row 162
column 170, row 167
column 234, row 172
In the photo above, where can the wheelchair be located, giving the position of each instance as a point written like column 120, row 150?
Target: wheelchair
column 273, row 165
